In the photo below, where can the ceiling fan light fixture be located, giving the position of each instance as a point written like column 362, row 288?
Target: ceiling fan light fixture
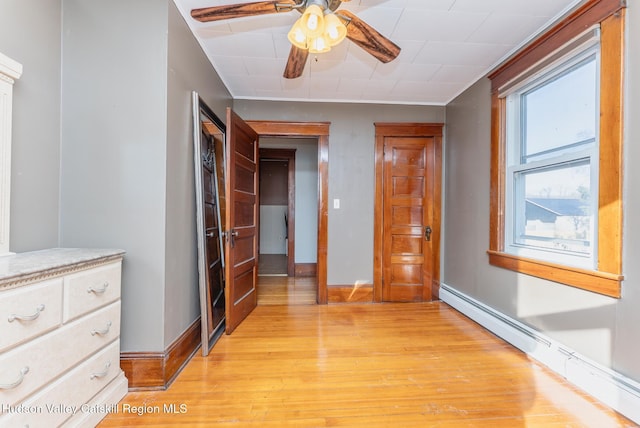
column 335, row 30
column 319, row 27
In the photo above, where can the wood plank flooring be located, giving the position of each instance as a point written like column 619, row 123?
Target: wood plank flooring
column 272, row 264
column 286, row 290
column 364, row 365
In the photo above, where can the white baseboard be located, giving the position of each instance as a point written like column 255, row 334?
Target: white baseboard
column 610, row 387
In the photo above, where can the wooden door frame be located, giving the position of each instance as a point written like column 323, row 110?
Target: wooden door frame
column 288, row 155
column 395, row 129
column 319, row 130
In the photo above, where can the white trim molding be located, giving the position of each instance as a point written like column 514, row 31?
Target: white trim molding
column 610, row 387
column 10, row 71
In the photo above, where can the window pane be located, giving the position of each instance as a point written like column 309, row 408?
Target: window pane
column 557, row 208
column 560, row 113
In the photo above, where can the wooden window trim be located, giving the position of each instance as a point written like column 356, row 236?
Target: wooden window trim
column 607, row 278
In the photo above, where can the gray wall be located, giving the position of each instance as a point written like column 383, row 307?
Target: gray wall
column 30, row 34
column 626, row 344
column 601, row 328
column 351, row 172
column 127, row 155
column 114, row 140
column 188, row 70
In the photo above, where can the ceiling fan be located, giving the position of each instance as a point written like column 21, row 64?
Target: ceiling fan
column 316, row 31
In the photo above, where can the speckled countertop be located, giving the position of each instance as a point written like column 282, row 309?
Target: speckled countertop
column 23, row 268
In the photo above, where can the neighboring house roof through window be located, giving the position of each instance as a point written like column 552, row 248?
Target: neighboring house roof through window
column 557, row 207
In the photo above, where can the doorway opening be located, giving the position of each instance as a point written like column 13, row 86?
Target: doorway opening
column 288, row 221
column 277, row 211
column 318, row 133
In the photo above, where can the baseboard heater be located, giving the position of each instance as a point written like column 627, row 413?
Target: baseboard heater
column 610, row 387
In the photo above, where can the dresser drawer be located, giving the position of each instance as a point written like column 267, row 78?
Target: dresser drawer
column 101, row 405
column 91, row 289
column 34, row 364
column 29, row 312
column 67, row 396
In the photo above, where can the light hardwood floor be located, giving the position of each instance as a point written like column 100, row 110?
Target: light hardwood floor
column 286, row 290
column 364, row 365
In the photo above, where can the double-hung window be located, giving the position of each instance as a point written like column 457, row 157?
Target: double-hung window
column 556, row 140
column 552, row 161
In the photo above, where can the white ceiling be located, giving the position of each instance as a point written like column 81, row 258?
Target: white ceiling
column 447, row 45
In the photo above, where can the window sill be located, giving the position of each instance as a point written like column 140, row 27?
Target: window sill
column 608, row 284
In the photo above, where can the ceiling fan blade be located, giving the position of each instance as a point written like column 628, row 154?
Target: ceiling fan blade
column 217, row 13
column 296, row 62
column 369, row 39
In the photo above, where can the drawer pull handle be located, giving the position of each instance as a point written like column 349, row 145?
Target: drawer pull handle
column 23, row 372
column 98, row 290
column 101, row 374
column 102, row 332
column 31, row 317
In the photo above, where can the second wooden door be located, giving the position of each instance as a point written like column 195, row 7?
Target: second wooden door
column 409, row 217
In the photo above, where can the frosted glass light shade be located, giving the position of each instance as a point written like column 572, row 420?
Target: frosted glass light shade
column 297, row 36
column 335, row 30
column 319, row 44
column 313, row 20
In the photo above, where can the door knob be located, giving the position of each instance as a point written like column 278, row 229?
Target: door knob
column 233, row 233
column 427, row 233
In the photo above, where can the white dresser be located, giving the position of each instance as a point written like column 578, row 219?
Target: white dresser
column 60, row 337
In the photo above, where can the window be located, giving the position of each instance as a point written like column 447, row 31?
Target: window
column 556, row 208
column 552, row 156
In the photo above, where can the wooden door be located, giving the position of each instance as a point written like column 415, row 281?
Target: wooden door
column 410, row 219
column 241, row 237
